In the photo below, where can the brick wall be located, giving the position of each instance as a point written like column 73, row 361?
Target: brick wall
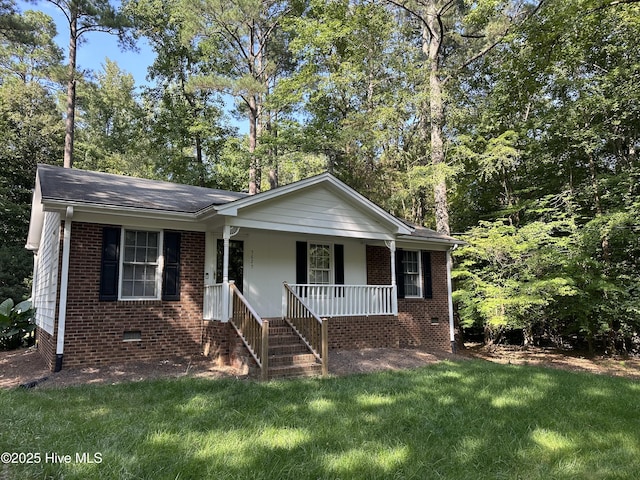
column 352, row 333
column 46, row 345
column 216, row 341
column 421, row 322
column 95, row 330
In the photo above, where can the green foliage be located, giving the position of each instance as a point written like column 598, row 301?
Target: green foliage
column 510, row 275
column 16, row 268
column 16, row 324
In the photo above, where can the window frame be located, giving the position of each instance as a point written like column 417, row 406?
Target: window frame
column 159, row 264
column 331, row 269
column 419, row 273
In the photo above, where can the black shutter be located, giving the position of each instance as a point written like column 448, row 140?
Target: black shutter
column 301, row 262
column 399, row 273
column 109, row 264
column 338, row 263
column 171, row 273
column 338, row 252
column 427, row 282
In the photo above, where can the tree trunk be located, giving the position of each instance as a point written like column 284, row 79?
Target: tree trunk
column 432, row 36
column 254, row 167
column 71, row 93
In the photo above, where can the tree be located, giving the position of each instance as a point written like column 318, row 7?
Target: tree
column 85, row 16
column 185, row 123
column 239, row 37
column 454, row 35
column 111, row 134
column 31, row 132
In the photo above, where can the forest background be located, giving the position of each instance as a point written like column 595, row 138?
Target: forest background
column 511, row 124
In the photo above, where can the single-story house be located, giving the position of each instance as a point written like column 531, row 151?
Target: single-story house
column 130, row 269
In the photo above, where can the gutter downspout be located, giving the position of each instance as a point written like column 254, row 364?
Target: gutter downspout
column 64, row 286
column 452, row 332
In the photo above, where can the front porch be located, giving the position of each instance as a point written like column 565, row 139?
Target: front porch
column 304, row 324
column 326, row 301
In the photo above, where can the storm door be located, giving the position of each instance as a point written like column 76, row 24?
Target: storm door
column 236, row 261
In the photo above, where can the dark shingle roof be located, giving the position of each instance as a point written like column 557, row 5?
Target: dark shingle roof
column 429, row 234
column 96, row 188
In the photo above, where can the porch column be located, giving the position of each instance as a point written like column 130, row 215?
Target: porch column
column 226, row 235
column 394, row 291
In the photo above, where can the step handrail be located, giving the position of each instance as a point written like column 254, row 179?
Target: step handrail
column 253, row 330
column 312, row 329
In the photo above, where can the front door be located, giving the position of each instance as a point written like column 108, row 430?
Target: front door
column 236, row 261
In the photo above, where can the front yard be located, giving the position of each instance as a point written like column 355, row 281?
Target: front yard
column 454, row 419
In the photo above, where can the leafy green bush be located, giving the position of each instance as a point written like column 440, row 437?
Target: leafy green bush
column 16, row 324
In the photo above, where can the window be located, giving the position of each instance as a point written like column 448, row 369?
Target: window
column 411, row 273
column 140, row 264
column 319, row 264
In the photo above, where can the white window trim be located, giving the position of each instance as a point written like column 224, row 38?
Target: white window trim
column 332, row 269
column 159, row 270
column 420, row 279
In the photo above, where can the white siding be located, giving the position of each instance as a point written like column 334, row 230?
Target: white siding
column 316, row 208
column 45, row 278
column 270, row 259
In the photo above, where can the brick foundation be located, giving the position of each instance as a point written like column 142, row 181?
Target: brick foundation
column 96, row 331
column 352, row 333
column 46, row 345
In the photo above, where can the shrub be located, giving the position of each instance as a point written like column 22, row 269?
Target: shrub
column 16, row 324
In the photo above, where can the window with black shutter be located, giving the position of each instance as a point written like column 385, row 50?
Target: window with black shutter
column 413, row 274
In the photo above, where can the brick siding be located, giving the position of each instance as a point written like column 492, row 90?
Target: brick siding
column 417, row 325
column 46, row 345
column 95, row 330
column 352, row 333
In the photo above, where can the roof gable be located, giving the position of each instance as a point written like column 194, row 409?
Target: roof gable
column 317, row 204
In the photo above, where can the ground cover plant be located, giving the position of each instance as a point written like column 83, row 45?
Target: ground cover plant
column 463, row 419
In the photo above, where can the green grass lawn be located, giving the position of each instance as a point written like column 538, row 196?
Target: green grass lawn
column 453, row 420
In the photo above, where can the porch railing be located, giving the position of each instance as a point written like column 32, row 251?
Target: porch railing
column 214, row 304
column 348, row 300
column 312, row 329
column 253, row 330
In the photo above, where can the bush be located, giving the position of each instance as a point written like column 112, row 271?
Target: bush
column 16, row 324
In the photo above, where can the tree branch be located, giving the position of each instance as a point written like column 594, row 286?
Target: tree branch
column 501, row 37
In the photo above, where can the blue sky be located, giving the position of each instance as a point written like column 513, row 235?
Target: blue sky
column 98, row 46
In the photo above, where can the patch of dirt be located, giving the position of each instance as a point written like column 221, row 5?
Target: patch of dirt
column 617, row 366
column 23, row 367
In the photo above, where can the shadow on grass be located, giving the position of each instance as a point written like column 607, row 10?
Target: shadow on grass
column 456, row 420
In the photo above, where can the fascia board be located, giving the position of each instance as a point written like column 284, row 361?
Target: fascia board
column 430, row 241
column 36, row 221
column 239, row 222
column 61, row 205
